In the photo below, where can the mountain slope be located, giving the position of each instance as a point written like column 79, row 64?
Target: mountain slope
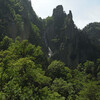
column 18, row 19
column 93, row 32
column 66, row 42
column 57, row 35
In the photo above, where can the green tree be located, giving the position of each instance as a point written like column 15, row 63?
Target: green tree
column 5, row 43
column 63, row 88
column 91, row 91
column 57, row 69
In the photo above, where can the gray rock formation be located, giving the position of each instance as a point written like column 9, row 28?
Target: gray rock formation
column 67, row 43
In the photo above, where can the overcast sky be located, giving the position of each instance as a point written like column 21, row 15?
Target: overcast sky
column 84, row 11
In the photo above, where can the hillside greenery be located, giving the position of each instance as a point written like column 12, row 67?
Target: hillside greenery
column 27, row 69
column 17, row 18
column 26, row 74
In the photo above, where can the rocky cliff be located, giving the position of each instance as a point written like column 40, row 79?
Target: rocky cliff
column 65, row 40
column 58, row 35
column 17, row 18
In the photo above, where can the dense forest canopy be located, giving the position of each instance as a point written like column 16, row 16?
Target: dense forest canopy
column 47, row 59
column 26, row 74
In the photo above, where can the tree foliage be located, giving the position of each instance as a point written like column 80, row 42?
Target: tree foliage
column 24, row 75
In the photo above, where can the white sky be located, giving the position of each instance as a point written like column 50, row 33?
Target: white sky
column 84, row 11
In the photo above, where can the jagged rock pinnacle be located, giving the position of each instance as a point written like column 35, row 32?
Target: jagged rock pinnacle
column 58, row 10
column 29, row 1
column 70, row 14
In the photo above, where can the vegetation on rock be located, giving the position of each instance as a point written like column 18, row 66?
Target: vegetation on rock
column 72, row 70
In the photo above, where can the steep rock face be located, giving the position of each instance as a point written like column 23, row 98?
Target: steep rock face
column 17, row 18
column 63, row 41
column 66, row 42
